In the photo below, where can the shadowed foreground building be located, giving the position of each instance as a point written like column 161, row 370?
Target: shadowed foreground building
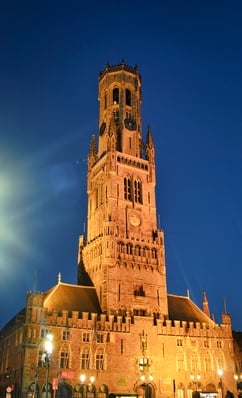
column 118, row 327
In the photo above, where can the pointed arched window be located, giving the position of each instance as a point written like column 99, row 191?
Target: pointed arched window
column 115, row 96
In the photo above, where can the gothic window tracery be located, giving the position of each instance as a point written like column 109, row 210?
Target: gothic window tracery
column 133, row 190
column 207, row 363
column 180, row 363
column 154, row 253
column 129, row 248
column 127, row 188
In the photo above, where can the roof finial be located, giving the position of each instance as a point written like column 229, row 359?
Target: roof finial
column 205, row 305
column 59, row 277
column 188, row 293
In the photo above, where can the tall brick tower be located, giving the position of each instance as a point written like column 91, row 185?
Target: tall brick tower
column 123, row 253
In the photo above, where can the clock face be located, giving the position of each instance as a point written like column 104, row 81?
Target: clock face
column 134, row 219
column 130, row 124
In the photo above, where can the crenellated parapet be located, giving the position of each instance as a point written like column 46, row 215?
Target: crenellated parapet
column 191, row 329
column 84, row 320
column 115, row 68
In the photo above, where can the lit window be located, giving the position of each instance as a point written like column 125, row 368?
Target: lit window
column 143, row 364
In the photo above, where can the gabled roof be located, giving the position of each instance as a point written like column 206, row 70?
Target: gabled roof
column 182, row 308
column 69, row 297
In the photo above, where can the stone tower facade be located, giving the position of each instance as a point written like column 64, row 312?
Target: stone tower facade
column 124, row 253
column 117, row 332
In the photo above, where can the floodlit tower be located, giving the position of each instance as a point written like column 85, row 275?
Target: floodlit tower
column 124, row 250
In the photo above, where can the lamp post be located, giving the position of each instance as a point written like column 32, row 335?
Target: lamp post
column 220, row 374
column 84, row 386
column 46, row 359
column 195, row 380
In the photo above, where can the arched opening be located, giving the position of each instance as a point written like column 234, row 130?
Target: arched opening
column 146, row 390
column 115, row 96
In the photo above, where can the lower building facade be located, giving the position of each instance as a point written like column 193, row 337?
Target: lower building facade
column 94, row 355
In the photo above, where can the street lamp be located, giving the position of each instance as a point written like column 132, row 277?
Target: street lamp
column 84, row 386
column 220, row 374
column 195, row 382
column 238, row 379
column 46, row 359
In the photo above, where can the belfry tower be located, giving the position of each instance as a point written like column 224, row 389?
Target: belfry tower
column 123, row 252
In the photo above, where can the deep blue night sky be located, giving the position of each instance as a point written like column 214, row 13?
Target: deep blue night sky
column 189, row 54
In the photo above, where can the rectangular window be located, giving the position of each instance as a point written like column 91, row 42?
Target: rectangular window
column 99, row 361
column 179, row 343
column 85, row 360
column 129, row 196
column 66, row 335
column 206, row 344
column 143, row 364
column 64, row 360
column 139, row 312
column 100, row 338
column 86, row 337
column 44, row 333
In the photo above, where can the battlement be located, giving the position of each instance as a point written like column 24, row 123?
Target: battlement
column 119, row 67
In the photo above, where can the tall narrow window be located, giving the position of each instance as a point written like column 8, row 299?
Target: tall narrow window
column 139, row 192
column 207, row 363
column 99, row 359
column 85, row 358
column 127, row 189
column 180, row 363
column 194, row 363
column 64, row 360
column 128, row 97
column 115, row 96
